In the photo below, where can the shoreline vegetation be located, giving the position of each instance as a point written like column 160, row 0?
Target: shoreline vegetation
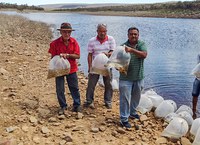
column 28, row 103
column 186, row 9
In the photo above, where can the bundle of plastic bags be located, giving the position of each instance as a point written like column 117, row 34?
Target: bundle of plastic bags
column 58, row 66
column 98, row 65
column 119, row 59
column 196, row 70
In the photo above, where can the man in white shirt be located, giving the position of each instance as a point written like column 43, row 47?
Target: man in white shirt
column 102, row 43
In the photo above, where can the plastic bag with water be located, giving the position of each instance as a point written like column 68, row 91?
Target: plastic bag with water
column 58, row 66
column 156, row 99
column 197, row 138
column 187, row 116
column 119, row 59
column 166, row 107
column 195, row 126
column 98, row 65
column 184, row 108
column 170, row 117
column 177, row 128
column 145, row 104
column 196, row 71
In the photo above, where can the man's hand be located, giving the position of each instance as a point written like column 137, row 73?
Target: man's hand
column 128, row 49
column 65, row 55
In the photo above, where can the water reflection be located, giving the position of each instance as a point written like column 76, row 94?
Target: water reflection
column 173, row 45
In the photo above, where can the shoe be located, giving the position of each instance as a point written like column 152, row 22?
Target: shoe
column 135, row 116
column 77, row 109
column 89, row 105
column 108, row 106
column 61, row 111
column 125, row 124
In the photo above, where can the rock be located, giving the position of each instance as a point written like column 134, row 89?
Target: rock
column 79, row 115
column 143, row 118
column 161, row 140
column 43, row 112
column 94, row 129
column 25, row 128
column 3, row 71
column 45, row 130
column 121, row 130
column 102, row 128
column 36, row 139
column 30, row 103
column 33, row 120
column 185, row 141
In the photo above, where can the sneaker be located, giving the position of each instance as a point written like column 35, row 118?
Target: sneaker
column 77, row 109
column 61, row 111
column 89, row 105
column 135, row 116
column 125, row 124
column 108, row 106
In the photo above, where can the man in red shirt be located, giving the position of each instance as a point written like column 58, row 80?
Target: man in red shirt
column 68, row 48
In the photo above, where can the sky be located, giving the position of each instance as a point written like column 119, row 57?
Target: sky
column 42, row 2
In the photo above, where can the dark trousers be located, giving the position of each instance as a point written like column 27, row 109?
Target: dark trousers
column 72, row 82
column 92, row 81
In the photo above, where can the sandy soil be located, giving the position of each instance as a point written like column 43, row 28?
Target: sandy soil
column 28, row 104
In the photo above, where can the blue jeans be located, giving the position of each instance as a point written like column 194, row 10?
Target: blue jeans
column 92, row 81
column 130, row 93
column 196, row 88
column 72, row 82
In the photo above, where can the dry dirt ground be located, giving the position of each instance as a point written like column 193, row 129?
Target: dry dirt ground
column 28, row 104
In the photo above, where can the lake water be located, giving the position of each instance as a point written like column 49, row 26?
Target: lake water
column 173, row 45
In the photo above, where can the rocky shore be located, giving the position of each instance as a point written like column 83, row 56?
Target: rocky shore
column 28, row 103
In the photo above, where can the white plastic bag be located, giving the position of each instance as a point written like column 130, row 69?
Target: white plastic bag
column 173, row 103
column 185, row 108
column 177, row 128
column 150, row 92
column 170, row 117
column 164, row 109
column 195, row 126
column 98, row 65
column 58, row 66
column 187, row 116
column 119, row 59
column 115, row 85
column 145, row 104
column 196, row 71
column 197, row 138
column 156, row 99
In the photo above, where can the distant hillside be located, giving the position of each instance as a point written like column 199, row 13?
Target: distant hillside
column 74, row 5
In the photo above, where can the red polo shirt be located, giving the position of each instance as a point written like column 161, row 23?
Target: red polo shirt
column 57, row 47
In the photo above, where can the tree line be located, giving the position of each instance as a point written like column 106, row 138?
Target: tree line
column 19, row 7
column 187, row 5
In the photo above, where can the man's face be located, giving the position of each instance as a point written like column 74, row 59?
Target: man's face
column 65, row 34
column 133, row 36
column 101, row 32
